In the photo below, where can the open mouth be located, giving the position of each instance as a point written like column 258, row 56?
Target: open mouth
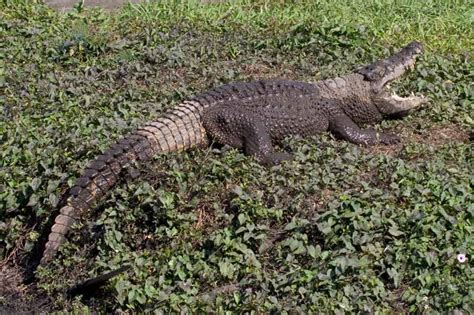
column 388, row 101
column 391, row 104
column 395, row 67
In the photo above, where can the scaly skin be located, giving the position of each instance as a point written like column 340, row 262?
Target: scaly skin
column 252, row 116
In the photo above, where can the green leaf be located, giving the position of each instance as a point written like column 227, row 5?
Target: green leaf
column 35, row 183
column 394, row 231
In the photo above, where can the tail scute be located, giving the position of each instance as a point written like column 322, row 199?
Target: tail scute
column 179, row 129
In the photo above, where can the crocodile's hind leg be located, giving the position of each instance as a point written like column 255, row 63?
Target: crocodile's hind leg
column 241, row 129
column 342, row 126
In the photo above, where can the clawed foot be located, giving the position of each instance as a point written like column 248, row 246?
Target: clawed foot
column 388, row 138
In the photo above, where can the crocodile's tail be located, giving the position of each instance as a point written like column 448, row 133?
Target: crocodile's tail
column 176, row 130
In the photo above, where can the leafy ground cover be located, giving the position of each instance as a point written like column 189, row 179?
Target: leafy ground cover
column 339, row 229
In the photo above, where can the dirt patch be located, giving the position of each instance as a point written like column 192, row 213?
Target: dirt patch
column 436, row 136
column 441, row 135
column 383, row 149
column 256, row 70
column 64, row 5
column 18, row 298
column 206, row 217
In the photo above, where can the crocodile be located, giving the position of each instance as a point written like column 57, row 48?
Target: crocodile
column 252, row 116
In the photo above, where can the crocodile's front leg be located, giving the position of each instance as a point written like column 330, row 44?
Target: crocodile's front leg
column 343, row 127
column 241, row 129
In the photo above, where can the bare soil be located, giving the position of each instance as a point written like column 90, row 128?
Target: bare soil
column 64, row 5
column 436, row 136
column 17, row 297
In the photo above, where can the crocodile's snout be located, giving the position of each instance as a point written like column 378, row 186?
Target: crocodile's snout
column 415, row 47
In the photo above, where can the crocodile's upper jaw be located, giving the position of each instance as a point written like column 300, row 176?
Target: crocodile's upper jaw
column 387, row 70
column 395, row 66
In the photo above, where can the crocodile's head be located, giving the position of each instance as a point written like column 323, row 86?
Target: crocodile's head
column 381, row 73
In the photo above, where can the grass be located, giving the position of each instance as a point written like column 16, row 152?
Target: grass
column 340, row 229
column 442, row 25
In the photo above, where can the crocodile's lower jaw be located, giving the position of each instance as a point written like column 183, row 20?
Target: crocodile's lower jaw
column 391, row 104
